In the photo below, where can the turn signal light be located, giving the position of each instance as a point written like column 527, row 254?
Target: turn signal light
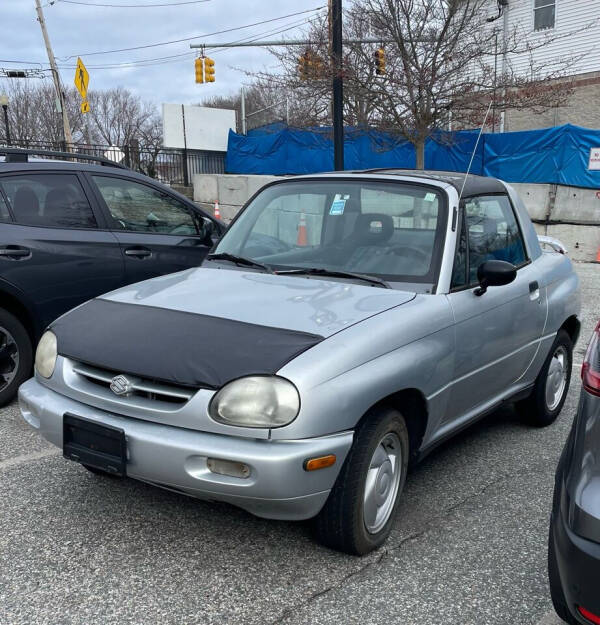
column 588, row 615
column 314, row 464
column 590, row 370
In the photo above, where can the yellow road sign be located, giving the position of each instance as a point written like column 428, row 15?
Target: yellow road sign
column 85, row 106
column 82, row 78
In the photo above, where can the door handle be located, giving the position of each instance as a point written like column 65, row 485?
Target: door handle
column 534, row 290
column 138, row 252
column 14, row 252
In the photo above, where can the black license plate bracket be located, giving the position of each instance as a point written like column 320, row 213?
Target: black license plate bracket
column 94, row 444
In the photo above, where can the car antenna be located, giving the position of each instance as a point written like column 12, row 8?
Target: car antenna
column 473, row 154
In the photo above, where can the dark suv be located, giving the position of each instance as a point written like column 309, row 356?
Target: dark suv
column 70, row 231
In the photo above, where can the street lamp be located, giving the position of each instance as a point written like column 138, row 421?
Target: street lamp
column 4, row 105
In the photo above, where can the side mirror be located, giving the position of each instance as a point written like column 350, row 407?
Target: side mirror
column 494, row 273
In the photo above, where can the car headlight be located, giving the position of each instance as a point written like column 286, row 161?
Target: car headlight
column 45, row 355
column 256, row 402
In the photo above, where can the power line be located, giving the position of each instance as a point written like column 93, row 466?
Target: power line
column 166, row 43
column 176, row 57
column 128, row 6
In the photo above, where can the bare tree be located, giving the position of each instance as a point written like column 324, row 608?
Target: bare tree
column 442, row 62
column 117, row 117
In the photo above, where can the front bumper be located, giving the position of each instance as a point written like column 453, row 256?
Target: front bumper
column 278, row 487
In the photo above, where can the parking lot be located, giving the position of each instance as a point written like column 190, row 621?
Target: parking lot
column 469, row 546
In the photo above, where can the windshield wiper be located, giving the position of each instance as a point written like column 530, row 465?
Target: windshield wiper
column 239, row 260
column 317, row 271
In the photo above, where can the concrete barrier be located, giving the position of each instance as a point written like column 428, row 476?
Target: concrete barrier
column 570, row 214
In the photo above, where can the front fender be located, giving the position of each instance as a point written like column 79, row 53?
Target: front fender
column 411, row 346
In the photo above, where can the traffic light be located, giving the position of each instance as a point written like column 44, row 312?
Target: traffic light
column 380, row 61
column 303, row 66
column 310, row 65
column 209, row 70
column 199, row 70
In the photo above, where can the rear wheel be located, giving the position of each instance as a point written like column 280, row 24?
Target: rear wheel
column 544, row 404
column 16, row 357
column 360, row 511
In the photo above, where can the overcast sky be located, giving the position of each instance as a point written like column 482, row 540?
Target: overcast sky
column 78, row 30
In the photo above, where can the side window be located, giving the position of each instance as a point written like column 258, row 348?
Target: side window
column 140, row 208
column 51, row 200
column 544, row 14
column 493, row 232
column 4, row 214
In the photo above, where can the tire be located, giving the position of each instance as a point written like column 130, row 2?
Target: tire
column 16, row 356
column 381, row 443
column 100, row 472
column 556, row 592
column 539, row 409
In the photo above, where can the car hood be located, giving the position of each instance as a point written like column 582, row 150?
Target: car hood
column 306, row 304
column 206, row 327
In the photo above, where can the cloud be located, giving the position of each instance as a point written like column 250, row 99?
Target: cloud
column 77, row 30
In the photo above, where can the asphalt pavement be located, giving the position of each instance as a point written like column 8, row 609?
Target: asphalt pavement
column 468, row 548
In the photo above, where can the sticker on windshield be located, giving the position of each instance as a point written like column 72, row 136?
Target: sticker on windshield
column 337, row 207
column 429, row 197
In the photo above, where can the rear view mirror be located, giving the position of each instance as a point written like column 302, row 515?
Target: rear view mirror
column 494, row 273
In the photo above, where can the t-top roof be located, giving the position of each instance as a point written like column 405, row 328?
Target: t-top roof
column 475, row 185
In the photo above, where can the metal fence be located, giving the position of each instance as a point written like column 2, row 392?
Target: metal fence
column 168, row 165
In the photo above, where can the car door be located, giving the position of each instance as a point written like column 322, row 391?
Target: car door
column 497, row 333
column 53, row 245
column 158, row 233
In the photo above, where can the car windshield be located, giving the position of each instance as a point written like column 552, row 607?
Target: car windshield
column 393, row 230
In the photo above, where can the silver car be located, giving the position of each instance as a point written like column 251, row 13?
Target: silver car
column 343, row 326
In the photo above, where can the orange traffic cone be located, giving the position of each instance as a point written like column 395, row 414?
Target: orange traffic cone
column 598, row 255
column 302, row 240
column 217, row 211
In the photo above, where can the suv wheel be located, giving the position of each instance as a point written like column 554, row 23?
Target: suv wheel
column 360, row 511
column 15, row 356
column 544, row 404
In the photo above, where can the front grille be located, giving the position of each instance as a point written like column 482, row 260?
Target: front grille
column 140, row 388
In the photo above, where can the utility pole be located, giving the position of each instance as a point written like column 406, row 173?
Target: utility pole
column 56, row 77
column 243, row 110
column 4, row 105
column 335, row 18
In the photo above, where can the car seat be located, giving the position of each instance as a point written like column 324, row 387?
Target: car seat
column 26, row 206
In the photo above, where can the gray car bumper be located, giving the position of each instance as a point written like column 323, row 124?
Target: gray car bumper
column 278, row 487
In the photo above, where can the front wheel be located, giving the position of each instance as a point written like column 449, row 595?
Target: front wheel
column 360, row 511
column 544, row 404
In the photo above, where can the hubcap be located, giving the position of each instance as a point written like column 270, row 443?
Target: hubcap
column 556, row 380
column 9, row 358
column 383, row 479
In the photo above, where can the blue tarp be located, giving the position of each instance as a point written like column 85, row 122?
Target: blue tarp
column 553, row 155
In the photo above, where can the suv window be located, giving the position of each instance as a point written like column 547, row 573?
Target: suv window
column 55, row 200
column 493, row 232
column 140, row 208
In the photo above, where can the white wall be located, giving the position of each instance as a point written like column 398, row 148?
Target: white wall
column 576, row 32
column 205, row 128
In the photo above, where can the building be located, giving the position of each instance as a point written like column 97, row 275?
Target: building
column 573, row 28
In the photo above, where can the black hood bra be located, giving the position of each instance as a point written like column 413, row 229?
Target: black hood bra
column 182, row 348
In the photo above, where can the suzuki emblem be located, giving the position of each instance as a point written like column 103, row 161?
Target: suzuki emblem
column 121, row 385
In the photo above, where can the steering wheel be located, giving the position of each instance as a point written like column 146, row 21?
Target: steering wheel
column 415, row 252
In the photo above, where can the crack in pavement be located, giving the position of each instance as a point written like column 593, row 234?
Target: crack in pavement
column 434, row 523
column 25, row 458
